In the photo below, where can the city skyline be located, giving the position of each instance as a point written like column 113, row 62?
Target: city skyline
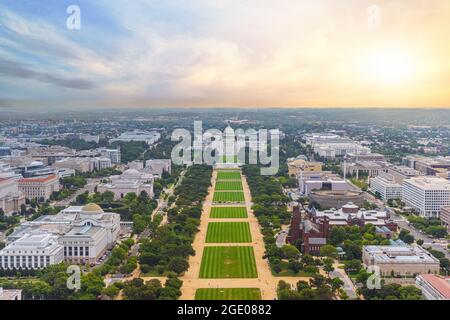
column 253, row 54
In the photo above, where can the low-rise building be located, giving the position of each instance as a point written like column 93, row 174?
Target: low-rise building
column 130, row 181
column 434, row 287
column 299, row 164
column 158, row 166
column 400, row 260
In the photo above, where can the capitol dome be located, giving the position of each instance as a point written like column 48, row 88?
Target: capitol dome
column 91, row 209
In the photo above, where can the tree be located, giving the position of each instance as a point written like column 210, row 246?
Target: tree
column 290, row 252
column 328, row 265
column 419, row 242
column 408, row 238
column 328, row 251
column 178, row 265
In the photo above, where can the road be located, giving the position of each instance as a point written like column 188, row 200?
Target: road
column 90, row 186
column 428, row 241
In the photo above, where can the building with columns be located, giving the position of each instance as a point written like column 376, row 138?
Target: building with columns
column 32, row 251
column 11, row 198
column 40, row 188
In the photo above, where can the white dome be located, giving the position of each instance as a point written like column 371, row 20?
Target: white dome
column 131, row 173
column 36, row 164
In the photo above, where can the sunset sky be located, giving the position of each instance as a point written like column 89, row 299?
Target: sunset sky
column 225, row 53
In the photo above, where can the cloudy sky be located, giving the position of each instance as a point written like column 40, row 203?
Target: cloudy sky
column 225, row 53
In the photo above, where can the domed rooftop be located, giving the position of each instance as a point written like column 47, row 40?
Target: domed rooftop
column 91, row 208
column 131, row 173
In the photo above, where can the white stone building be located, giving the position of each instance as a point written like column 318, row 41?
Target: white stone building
column 129, row 181
column 11, row 198
column 10, row 294
column 32, row 251
column 158, row 166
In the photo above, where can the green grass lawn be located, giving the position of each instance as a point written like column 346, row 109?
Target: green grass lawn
column 228, row 212
column 228, row 262
column 226, row 196
column 228, row 294
column 228, row 185
column 228, row 232
column 228, row 175
column 229, row 159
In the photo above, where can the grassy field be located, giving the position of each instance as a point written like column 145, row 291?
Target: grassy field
column 228, row 185
column 228, row 232
column 229, row 159
column 231, row 175
column 226, row 196
column 228, row 212
column 228, row 294
column 228, row 262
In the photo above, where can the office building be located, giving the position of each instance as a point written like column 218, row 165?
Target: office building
column 385, row 186
column 426, row 195
column 158, row 166
column 40, row 188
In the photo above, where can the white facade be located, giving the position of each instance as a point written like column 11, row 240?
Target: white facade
column 131, row 181
column 385, row 185
column 32, row 252
column 11, row 198
column 84, row 232
column 426, row 195
column 158, row 166
column 138, row 135
column 10, row 294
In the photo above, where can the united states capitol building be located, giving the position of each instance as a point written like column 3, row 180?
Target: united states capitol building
column 77, row 234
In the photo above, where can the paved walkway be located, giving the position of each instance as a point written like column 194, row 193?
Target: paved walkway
column 265, row 281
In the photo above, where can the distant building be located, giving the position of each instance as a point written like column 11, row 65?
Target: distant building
column 385, row 185
column 332, row 146
column 10, row 294
column 78, row 164
column 428, row 166
column 322, row 180
column 434, row 287
column 40, row 188
column 400, row 260
column 113, row 154
column 138, row 135
column 32, row 252
column 297, row 165
column 400, row 173
column 5, row 151
column 130, row 181
column 426, row 195
column 363, row 168
column 90, row 138
column 11, row 198
column 158, row 166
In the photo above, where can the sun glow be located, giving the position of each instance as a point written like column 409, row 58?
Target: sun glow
column 391, row 66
